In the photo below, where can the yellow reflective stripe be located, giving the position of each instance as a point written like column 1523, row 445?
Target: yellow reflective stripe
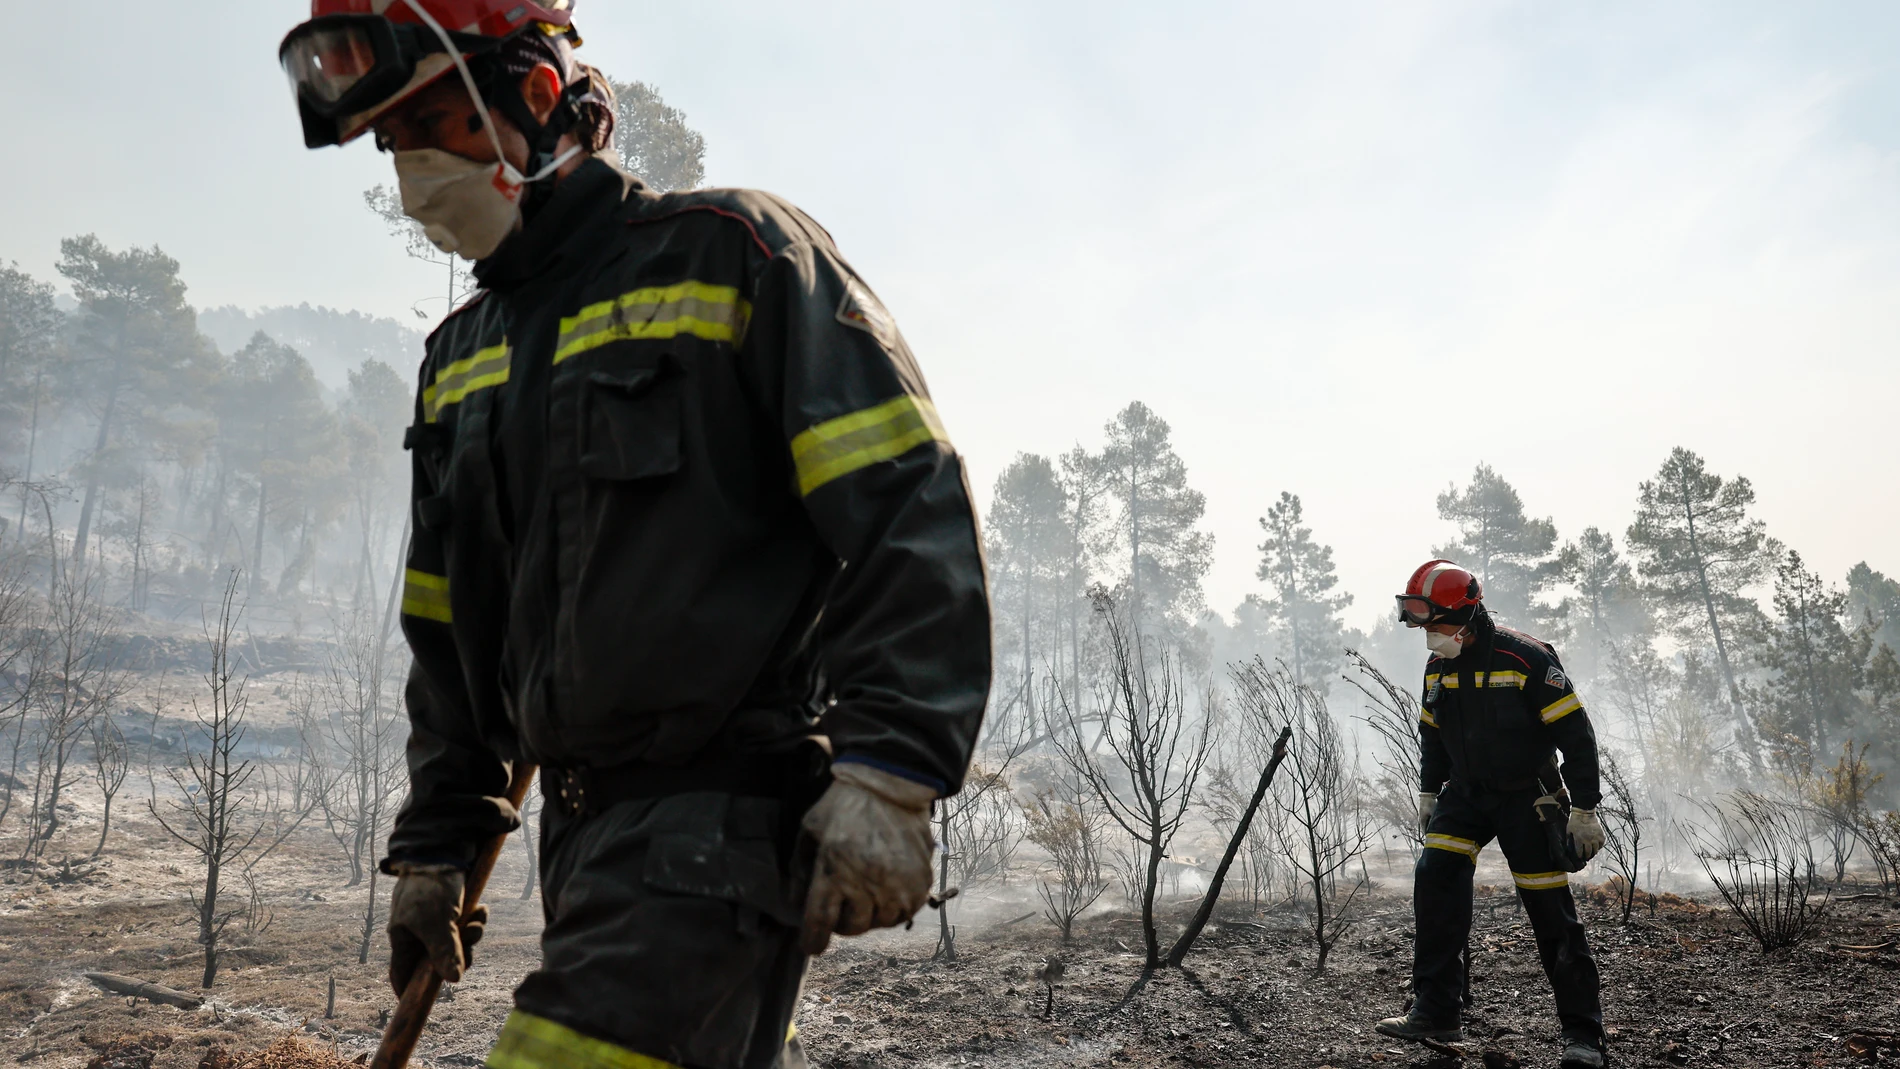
column 1425, row 717
column 1466, row 847
column 1541, row 881
column 1494, row 679
column 697, row 308
column 838, row 447
column 530, row 1042
column 1430, row 678
column 1561, row 708
column 488, row 367
column 1449, row 682
column 426, row 596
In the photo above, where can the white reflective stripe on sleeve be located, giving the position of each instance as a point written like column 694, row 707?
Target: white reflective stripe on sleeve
column 1561, row 708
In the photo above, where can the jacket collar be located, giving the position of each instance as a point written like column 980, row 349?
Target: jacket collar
column 564, row 233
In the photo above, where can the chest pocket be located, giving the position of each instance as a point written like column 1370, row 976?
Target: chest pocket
column 630, row 423
column 1500, row 699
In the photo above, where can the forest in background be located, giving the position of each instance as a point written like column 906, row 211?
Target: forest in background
column 207, row 481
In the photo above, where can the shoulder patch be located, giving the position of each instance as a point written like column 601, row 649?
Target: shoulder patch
column 861, row 309
column 1555, row 677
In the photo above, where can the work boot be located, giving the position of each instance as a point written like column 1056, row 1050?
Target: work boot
column 1583, row 1053
column 1414, row 1027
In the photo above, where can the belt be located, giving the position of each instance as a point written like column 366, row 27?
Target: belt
column 1503, row 786
column 594, row 789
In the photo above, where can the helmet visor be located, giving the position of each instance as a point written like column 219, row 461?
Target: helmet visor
column 327, row 61
column 1417, row 611
column 340, row 64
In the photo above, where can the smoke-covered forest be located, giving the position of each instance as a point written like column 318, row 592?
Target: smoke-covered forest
column 201, row 726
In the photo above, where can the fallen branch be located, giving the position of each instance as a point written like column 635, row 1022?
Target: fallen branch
column 1211, row 899
column 1849, row 946
column 126, row 985
column 1018, row 920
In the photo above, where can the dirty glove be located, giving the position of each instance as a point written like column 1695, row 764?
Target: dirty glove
column 872, row 864
column 1586, row 834
column 1427, row 805
column 423, row 910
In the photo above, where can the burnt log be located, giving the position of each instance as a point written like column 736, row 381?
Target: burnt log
column 126, row 985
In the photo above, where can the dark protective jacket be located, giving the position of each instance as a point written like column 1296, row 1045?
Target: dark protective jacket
column 1493, row 718
column 678, row 488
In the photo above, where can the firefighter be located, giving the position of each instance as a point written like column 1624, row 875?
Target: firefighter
column 687, row 533
column 1497, row 706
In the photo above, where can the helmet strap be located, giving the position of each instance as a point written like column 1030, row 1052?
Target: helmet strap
column 1486, row 632
column 1481, row 623
column 544, row 138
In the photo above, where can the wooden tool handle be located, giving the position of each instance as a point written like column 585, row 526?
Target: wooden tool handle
column 412, row 1010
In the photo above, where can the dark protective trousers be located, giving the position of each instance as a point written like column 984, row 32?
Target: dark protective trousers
column 671, row 940
column 1463, row 823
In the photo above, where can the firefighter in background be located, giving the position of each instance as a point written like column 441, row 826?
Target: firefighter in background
column 1497, row 706
column 688, row 534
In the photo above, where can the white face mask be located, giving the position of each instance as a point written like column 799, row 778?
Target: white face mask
column 465, row 207
column 1446, row 646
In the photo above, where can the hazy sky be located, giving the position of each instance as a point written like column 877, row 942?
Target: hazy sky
column 1346, row 250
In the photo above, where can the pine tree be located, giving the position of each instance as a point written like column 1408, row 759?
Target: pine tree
column 1820, row 662
column 30, row 325
column 374, row 412
column 1882, row 723
column 1875, row 598
column 1085, row 492
column 29, row 328
column 277, row 434
column 1506, row 549
column 1030, row 553
column 1156, row 530
column 137, row 343
column 1607, row 612
column 1605, row 608
column 1303, row 607
column 654, row 141
column 1592, row 565
column 1873, row 606
column 1697, row 548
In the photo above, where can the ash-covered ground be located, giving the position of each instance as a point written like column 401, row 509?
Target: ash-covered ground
column 1683, row 985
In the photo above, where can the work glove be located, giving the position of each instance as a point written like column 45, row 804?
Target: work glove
column 1586, row 833
column 423, row 910
column 871, row 868
column 1427, row 805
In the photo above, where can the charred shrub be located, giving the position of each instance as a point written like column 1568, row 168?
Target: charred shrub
column 1755, row 850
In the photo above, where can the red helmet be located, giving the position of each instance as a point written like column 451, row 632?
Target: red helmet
column 1439, row 592
column 355, row 59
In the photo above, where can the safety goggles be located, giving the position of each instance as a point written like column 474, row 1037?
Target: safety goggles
column 1418, row 611
column 342, row 65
